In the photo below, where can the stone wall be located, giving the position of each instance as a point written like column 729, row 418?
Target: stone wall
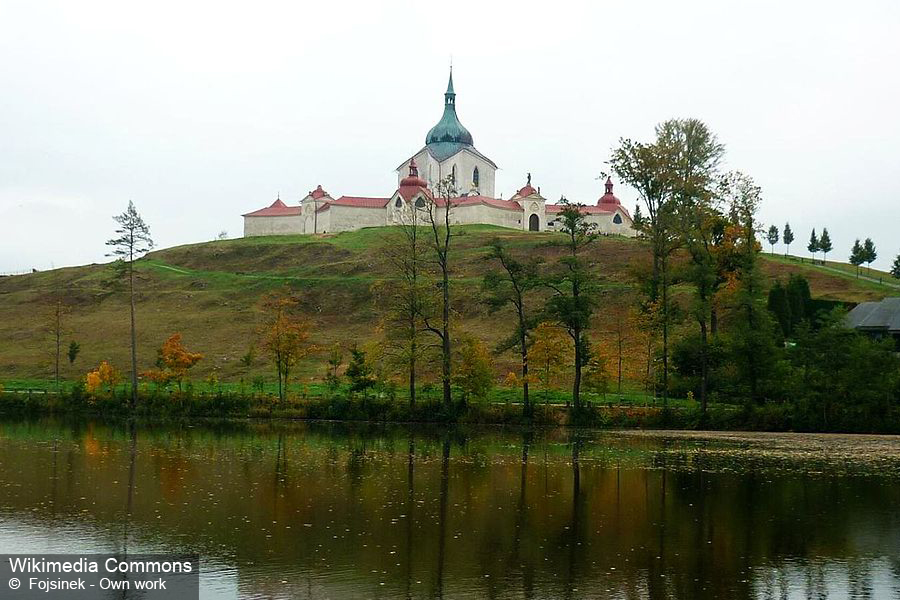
column 284, row 225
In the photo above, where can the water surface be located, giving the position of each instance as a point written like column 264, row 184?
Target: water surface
column 329, row 511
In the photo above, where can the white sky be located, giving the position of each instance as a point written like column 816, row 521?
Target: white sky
column 201, row 111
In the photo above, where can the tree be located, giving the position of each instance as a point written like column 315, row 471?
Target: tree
column 133, row 242
column 473, row 373
column 772, row 237
column 511, row 287
column 596, row 377
column 813, row 245
column 57, row 329
column 895, row 268
column 335, row 360
column 173, row 362
column 869, row 254
column 285, row 338
column 752, row 343
column 572, row 301
column 548, row 354
column 857, row 257
column 825, row 245
column 439, row 221
column 407, row 301
column 638, row 218
column 788, row 238
column 74, row 349
column 103, row 376
column 677, row 166
column 359, row 372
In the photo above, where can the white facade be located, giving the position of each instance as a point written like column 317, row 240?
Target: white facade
column 449, row 150
column 465, row 162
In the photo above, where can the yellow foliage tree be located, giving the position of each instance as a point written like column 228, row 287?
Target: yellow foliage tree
column 103, row 376
column 473, row 372
column 173, row 362
column 549, row 354
column 285, row 337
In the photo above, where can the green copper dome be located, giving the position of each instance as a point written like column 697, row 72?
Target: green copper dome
column 447, row 137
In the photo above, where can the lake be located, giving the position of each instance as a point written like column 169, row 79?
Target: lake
column 303, row 510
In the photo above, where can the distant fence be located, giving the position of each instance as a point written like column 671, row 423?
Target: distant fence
column 11, row 273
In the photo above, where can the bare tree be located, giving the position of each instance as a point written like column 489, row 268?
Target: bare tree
column 133, row 242
column 512, row 287
column 408, row 303
column 437, row 212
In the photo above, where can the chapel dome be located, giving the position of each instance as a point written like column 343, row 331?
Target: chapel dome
column 608, row 198
column 413, row 179
column 449, row 130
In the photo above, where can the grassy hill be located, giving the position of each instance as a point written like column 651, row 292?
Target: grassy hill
column 210, row 292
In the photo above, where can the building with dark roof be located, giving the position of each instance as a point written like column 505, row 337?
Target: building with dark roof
column 878, row 319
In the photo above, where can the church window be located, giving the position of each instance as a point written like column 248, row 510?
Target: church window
column 420, row 203
column 617, row 219
column 454, row 175
column 398, row 203
column 475, row 177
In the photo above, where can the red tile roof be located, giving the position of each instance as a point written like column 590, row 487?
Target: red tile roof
column 526, row 191
column 608, row 198
column 318, row 193
column 276, row 209
column 591, row 210
column 361, row 202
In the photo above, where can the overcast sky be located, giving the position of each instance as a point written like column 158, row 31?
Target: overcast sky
column 200, row 112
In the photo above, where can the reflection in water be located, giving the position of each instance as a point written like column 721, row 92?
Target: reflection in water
column 418, row 513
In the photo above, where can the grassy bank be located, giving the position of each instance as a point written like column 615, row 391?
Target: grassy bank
column 610, row 411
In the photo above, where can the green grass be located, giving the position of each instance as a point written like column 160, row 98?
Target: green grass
column 211, row 292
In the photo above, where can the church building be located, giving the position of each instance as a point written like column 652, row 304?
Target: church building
column 449, row 156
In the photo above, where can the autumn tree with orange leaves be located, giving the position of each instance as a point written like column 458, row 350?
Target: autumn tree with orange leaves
column 285, row 337
column 173, row 362
column 104, row 376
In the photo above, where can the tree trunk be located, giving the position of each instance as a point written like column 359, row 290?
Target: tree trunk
column 445, row 340
column 412, row 374
column 665, row 301
column 620, row 360
column 58, row 335
column 576, row 385
column 133, row 334
column 704, row 365
column 523, row 343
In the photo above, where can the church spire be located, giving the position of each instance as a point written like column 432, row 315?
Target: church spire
column 450, row 95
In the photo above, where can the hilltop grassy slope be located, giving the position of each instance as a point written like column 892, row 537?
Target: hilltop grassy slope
column 210, row 292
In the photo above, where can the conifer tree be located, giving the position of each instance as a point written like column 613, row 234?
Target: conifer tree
column 772, row 237
column 869, row 254
column 134, row 241
column 788, row 238
column 856, row 256
column 813, row 245
column 895, row 268
column 825, row 244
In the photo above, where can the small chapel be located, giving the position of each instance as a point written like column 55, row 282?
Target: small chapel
column 449, row 155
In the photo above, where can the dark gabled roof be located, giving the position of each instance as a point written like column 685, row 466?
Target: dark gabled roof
column 876, row 316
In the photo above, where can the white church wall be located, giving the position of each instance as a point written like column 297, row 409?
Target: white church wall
column 350, row 218
column 465, row 163
column 282, row 225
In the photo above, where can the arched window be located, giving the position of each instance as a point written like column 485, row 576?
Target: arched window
column 475, row 177
column 617, row 219
column 420, row 202
column 399, row 202
column 454, row 176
